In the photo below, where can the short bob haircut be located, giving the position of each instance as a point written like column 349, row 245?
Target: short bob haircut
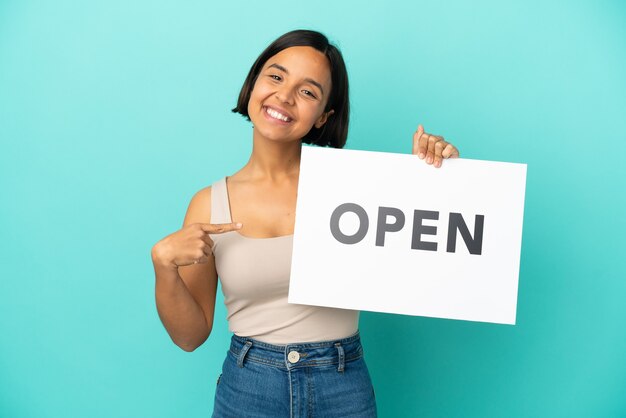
column 335, row 131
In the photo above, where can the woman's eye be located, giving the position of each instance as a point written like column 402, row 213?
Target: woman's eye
column 309, row 93
column 275, row 77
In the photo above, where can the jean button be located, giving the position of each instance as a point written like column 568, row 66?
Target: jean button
column 293, row 357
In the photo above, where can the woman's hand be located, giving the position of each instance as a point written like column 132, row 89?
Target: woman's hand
column 189, row 245
column 433, row 148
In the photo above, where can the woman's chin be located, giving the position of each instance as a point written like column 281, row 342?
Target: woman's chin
column 272, row 136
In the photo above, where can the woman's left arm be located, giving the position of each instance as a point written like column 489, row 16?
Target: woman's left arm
column 433, row 148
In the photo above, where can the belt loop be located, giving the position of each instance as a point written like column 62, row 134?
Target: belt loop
column 341, row 357
column 243, row 352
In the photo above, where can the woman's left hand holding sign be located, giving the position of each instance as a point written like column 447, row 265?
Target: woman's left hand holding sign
column 432, row 148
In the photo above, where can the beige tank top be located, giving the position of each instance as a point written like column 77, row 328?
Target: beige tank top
column 254, row 274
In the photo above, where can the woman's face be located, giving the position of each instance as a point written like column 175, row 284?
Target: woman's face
column 290, row 94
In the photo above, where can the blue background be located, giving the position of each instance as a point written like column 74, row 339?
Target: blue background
column 114, row 113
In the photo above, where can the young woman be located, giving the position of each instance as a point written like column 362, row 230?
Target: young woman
column 285, row 360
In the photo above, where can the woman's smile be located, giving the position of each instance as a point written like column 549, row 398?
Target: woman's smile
column 277, row 115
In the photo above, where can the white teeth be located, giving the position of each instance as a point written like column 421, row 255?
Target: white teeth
column 277, row 115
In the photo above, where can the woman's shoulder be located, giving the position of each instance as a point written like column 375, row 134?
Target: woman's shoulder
column 199, row 209
column 203, row 196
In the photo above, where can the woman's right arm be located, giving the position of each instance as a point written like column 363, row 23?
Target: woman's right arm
column 186, row 279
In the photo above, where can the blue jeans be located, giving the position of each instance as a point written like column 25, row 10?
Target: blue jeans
column 320, row 379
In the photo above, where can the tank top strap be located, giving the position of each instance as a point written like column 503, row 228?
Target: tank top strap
column 220, row 208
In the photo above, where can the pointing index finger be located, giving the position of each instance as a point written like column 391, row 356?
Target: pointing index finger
column 220, row 228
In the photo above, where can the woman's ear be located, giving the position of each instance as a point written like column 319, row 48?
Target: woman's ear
column 322, row 119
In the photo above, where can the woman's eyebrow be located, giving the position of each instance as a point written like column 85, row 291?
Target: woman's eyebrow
column 310, row 80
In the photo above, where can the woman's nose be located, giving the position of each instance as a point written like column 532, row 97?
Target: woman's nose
column 285, row 95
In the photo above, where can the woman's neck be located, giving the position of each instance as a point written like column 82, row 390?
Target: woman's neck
column 273, row 160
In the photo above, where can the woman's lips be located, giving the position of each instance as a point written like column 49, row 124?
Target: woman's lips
column 275, row 115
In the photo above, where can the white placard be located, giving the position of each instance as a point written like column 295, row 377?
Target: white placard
column 412, row 267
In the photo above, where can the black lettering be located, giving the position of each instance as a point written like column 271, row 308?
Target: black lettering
column 363, row 223
column 382, row 226
column 420, row 229
column 475, row 244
